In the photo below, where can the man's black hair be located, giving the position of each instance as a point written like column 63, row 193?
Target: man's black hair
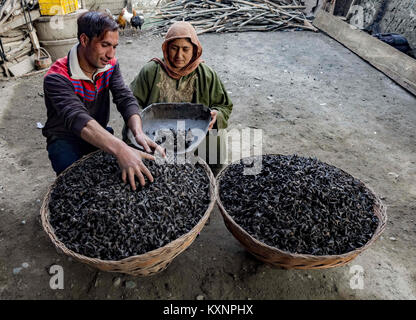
column 95, row 24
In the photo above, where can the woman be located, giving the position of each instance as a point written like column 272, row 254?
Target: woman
column 181, row 76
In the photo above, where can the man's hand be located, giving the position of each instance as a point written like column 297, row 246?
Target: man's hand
column 131, row 164
column 213, row 118
column 128, row 158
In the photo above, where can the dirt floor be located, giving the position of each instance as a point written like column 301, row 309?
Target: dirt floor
column 310, row 96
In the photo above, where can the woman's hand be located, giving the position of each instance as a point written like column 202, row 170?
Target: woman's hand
column 135, row 125
column 148, row 143
column 213, row 119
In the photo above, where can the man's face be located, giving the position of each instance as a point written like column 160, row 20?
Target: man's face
column 100, row 51
column 180, row 52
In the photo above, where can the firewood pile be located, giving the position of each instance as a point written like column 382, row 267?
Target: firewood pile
column 233, row 15
column 18, row 40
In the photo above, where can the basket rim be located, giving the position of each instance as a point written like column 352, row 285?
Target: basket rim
column 379, row 210
column 44, row 212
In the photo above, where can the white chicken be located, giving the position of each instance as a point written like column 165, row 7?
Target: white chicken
column 124, row 18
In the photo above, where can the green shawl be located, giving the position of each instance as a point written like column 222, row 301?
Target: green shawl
column 209, row 90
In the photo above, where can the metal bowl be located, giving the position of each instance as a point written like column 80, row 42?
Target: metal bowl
column 160, row 117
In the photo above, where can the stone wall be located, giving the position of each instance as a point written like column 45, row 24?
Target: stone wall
column 382, row 16
column 114, row 6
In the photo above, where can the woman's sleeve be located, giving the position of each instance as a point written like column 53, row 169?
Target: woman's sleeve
column 141, row 86
column 122, row 97
column 220, row 101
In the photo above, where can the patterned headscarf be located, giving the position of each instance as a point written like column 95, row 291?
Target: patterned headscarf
column 176, row 31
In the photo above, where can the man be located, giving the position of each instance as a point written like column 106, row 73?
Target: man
column 76, row 90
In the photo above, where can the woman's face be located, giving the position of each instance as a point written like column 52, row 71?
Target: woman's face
column 180, row 52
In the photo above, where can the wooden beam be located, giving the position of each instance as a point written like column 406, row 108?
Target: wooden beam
column 18, row 21
column 398, row 66
column 34, row 39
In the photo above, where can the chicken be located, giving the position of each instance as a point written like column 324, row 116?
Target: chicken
column 137, row 21
column 124, row 18
column 122, row 22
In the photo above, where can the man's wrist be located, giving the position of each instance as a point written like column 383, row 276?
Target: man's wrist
column 116, row 146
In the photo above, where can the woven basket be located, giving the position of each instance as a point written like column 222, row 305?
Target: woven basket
column 145, row 264
column 288, row 260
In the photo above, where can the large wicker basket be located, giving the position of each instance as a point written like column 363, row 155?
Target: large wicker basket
column 288, row 260
column 145, row 264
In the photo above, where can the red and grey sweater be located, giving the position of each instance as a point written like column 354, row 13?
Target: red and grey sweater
column 71, row 101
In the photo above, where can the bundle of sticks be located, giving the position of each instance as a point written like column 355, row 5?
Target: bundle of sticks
column 18, row 38
column 12, row 8
column 16, row 43
column 233, row 15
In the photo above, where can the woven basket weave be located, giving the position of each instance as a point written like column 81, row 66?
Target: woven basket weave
column 287, row 260
column 146, row 264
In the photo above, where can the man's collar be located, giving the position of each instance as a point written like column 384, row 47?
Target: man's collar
column 75, row 69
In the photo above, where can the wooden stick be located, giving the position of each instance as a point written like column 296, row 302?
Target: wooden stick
column 349, row 9
column 276, row 22
column 250, row 28
column 207, row 30
column 272, row 9
column 217, row 4
column 18, row 54
column 295, row 25
column 219, row 21
column 282, row 7
column 193, row 4
column 170, row 4
column 6, row 40
column 202, row 21
column 9, row 46
column 7, row 4
column 22, row 53
column 254, row 18
column 6, row 69
column 14, row 5
column 172, row 8
column 230, row 13
column 310, row 26
column 21, row 45
column 251, row 4
column 13, row 33
column 209, row 11
column 267, row 14
column 332, row 8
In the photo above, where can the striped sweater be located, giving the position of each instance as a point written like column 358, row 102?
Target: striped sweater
column 72, row 99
